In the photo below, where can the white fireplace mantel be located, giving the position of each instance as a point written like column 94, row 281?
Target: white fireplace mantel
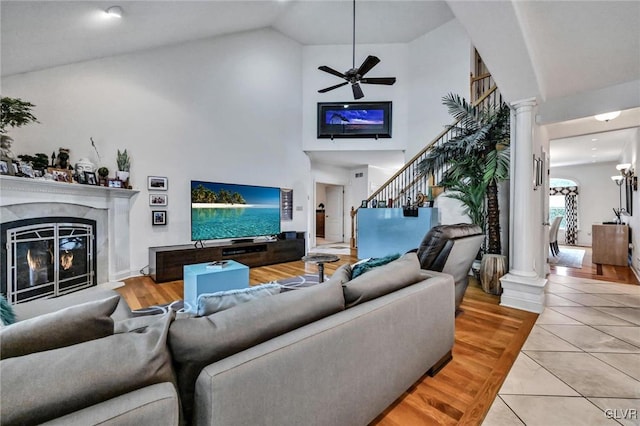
column 20, row 198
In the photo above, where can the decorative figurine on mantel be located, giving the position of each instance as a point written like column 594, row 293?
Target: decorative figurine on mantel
column 63, row 159
column 83, row 165
column 5, row 147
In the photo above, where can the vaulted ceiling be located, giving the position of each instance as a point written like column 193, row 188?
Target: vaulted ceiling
column 552, row 50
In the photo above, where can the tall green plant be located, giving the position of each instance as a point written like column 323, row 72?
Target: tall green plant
column 475, row 160
column 15, row 112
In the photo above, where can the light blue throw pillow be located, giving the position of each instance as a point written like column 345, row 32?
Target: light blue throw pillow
column 210, row 303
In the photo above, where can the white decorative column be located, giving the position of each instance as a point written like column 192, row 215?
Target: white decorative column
column 523, row 286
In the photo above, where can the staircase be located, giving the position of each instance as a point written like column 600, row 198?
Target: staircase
column 409, row 184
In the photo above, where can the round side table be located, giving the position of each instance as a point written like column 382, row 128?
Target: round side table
column 320, row 260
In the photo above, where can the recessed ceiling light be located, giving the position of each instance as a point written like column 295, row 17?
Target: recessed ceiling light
column 114, row 12
column 607, row 116
column 594, row 139
column 594, row 149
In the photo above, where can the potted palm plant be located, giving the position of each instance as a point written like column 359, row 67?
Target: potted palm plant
column 475, row 160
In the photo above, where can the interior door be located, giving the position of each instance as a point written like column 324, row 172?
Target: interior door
column 334, row 214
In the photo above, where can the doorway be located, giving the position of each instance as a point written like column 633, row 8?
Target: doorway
column 329, row 217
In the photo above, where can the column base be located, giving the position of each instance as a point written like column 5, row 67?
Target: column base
column 524, row 293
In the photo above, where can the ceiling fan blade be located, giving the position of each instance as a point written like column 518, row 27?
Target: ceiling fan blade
column 326, row 89
column 357, row 91
column 379, row 80
column 332, row 71
column 368, row 63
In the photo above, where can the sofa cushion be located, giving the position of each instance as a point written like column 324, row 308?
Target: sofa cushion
column 39, row 307
column 342, row 274
column 362, row 267
column 66, row 327
column 382, row 280
column 210, row 303
column 198, row 342
column 45, row 385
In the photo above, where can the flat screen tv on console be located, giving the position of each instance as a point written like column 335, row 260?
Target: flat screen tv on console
column 354, row 120
column 231, row 211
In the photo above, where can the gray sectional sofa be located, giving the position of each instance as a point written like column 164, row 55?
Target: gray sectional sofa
column 338, row 353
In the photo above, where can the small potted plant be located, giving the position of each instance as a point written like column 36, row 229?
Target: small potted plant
column 124, row 163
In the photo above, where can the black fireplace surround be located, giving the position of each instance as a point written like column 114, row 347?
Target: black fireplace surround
column 46, row 257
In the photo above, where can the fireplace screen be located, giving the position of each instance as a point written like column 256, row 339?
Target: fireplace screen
column 49, row 259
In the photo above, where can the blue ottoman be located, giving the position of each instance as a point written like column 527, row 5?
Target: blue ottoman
column 199, row 279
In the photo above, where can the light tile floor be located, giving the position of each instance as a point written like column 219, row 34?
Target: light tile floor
column 581, row 363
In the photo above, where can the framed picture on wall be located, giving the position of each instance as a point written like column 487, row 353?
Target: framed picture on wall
column 157, row 183
column 286, row 204
column 158, row 199
column 158, row 217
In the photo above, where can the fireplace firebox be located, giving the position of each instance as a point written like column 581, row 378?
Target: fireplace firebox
column 47, row 257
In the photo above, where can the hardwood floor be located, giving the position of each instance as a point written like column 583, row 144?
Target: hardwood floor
column 618, row 274
column 488, row 338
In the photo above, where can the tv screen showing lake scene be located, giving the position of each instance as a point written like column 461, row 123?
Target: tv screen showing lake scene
column 224, row 210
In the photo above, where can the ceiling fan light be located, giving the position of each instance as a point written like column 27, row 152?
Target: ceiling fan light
column 624, row 166
column 607, row 116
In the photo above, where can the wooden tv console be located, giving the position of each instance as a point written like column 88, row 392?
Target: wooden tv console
column 166, row 263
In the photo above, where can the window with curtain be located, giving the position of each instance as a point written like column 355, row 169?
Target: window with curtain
column 563, row 201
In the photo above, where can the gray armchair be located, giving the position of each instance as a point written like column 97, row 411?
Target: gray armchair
column 451, row 249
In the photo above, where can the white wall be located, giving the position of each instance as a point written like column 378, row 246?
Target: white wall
column 225, row 109
column 597, row 196
column 438, row 64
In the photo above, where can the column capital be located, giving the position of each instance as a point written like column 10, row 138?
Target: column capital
column 523, row 103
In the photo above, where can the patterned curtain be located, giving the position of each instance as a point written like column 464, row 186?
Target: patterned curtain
column 571, row 207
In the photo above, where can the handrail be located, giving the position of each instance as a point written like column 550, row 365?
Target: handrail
column 427, row 147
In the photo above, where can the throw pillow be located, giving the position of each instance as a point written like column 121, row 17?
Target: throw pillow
column 198, row 342
column 382, row 280
column 361, row 268
column 210, row 303
column 66, row 327
column 7, row 316
column 47, row 385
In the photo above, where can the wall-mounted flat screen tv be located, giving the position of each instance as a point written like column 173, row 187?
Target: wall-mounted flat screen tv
column 226, row 210
column 354, row 120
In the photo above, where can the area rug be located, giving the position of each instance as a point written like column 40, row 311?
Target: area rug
column 568, row 257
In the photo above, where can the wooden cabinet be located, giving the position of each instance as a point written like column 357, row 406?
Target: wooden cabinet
column 167, row 263
column 320, row 223
column 610, row 245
